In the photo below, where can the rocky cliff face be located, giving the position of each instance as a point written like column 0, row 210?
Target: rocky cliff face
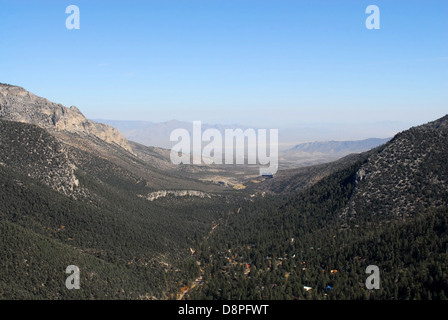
column 17, row 104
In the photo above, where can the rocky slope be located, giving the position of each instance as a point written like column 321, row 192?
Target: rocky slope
column 97, row 149
column 410, row 174
column 70, row 188
column 33, row 151
column 337, row 147
column 175, row 193
column 17, row 104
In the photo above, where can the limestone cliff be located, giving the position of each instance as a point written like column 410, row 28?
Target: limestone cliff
column 176, row 193
column 17, row 104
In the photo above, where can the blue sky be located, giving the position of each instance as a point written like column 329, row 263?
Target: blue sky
column 253, row 62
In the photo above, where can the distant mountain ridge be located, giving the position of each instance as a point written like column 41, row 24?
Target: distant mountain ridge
column 157, row 134
column 319, row 152
column 339, row 147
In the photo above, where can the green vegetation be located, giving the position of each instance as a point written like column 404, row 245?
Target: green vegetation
column 386, row 207
column 276, row 246
column 134, row 247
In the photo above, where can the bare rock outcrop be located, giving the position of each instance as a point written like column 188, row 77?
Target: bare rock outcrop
column 176, row 193
column 17, row 104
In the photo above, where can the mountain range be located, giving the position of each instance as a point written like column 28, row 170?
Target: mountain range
column 303, row 154
column 318, row 152
column 157, row 134
column 77, row 192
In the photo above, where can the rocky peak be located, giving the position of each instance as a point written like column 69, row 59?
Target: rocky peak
column 17, row 104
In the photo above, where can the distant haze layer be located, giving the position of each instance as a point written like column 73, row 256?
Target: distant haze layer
column 158, row 133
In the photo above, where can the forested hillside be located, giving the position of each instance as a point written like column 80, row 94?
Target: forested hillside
column 110, row 232
column 139, row 229
column 310, row 245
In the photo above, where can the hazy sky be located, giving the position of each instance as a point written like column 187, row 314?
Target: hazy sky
column 254, row 62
